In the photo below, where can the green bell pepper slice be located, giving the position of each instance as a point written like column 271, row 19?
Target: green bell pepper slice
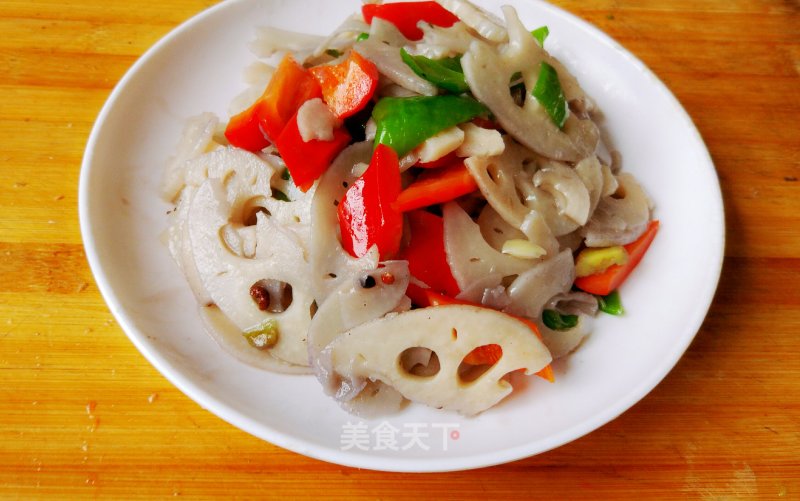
column 558, row 322
column 403, row 123
column 550, row 95
column 611, row 304
column 540, row 34
column 445, row 73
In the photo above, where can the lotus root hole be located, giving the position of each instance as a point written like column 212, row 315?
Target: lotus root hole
column 419, row 361
column 272, row 295
column 479, row 361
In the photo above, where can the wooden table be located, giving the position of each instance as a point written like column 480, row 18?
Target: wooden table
column 83, row 414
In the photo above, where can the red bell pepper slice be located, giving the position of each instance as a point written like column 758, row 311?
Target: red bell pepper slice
column 366, row 213
column 348, row 86
column 406, row 15
column 307, row 161
column 486, row 354
column 607, row 282
column 244, row 130
column 426, row 255
column 290, row 87
column 437, row 186
column 419, row 295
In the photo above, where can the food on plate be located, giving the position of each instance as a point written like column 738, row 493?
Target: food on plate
column 419, row 206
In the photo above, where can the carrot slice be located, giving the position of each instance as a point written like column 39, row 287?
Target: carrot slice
column 487, row 354
column 437, row 186
column 607, row 282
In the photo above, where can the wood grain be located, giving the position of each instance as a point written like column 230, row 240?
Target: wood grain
column 82, row 414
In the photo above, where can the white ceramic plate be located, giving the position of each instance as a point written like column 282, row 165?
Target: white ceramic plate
column 198, row 67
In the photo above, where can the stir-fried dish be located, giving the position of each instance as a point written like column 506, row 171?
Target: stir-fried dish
column 419, row 206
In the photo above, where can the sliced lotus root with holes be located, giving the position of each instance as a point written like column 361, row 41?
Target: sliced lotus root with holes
column 362, row 298
column 374, row 350
column 177, row 239
column 249, row 181
column 197, row 138
column 488, row 70
column 253, row 182
column 228, row 275
column 495, row 179
column 470, row 257
column 619, row 219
